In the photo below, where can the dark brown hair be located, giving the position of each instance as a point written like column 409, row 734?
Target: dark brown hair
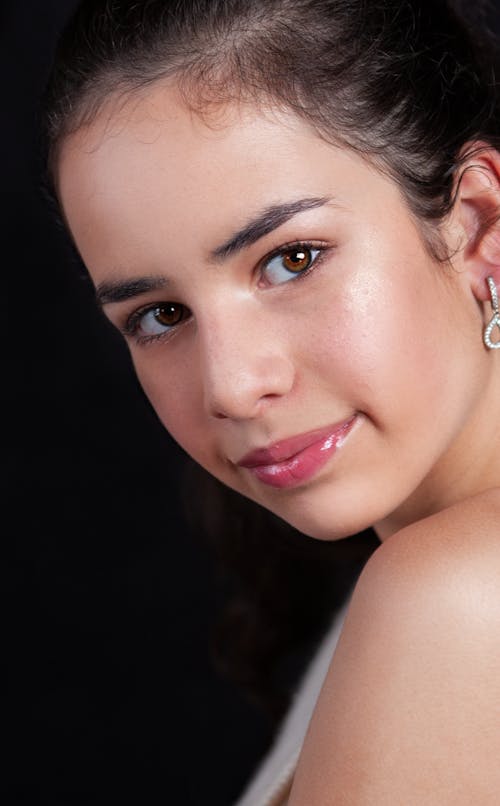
column 401, row 81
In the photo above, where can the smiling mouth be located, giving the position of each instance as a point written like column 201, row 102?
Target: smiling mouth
column 293, row 461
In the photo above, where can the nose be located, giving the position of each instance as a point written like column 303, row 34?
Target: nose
column 245, row 365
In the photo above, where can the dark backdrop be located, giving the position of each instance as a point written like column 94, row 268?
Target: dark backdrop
column 107, row 597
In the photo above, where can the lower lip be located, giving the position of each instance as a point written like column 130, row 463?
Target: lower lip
column 305, row 464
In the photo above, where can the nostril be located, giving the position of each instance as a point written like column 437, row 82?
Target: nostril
column 236, row 390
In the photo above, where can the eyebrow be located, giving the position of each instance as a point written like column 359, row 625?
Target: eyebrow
column 268, row 220
column 121, row 290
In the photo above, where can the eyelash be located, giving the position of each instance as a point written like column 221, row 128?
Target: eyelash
column 132, row 323
column 321, row 247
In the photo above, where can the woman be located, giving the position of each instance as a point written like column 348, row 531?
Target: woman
column 290, row 210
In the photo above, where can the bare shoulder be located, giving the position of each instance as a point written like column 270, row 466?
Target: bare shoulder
column 442, row 554
column 410, row 709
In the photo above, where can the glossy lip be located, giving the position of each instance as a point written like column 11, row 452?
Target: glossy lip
column 292, row 461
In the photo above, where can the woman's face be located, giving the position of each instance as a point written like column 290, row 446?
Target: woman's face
column 283, row 314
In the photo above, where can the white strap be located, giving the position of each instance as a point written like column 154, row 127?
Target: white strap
column 274, row 772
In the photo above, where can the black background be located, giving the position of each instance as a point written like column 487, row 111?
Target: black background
column 107, row 596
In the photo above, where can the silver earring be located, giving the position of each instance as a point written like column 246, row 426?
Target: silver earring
column 495, row 319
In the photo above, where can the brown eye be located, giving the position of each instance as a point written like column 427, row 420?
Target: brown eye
column 168, row 314
column 296, row 260
column 157, row 320
column 289, row 264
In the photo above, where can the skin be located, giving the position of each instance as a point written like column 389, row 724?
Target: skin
column 376, row 329
column 410, row 709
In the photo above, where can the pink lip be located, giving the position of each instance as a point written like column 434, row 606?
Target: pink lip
column 292, row 461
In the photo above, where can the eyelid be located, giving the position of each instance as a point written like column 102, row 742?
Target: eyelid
column 131, row 324
column 322, row 246
column 309, row 243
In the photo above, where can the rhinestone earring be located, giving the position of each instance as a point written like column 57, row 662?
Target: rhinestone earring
column 495, row 319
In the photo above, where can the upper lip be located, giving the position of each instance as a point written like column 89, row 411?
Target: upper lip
column 288, row 448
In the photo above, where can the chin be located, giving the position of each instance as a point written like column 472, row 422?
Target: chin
column 325, row 525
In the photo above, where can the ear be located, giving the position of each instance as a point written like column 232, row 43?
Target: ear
column 476, row 213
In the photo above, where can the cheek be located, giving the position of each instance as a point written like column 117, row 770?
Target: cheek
column 377, row 341
column 173, row 389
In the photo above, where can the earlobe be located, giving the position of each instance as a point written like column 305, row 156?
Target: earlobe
column 477, row 207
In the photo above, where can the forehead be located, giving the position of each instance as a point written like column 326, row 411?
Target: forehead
column 155, row 135
column 148, row 167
